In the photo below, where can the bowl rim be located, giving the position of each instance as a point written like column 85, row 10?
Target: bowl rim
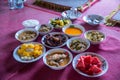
column 77, row 38
column 56, row 50
column 76, row 26
column 43, row 33
column 23, row 30
column 17, row 57
column 90, row 53
column 95, row 31
column 55, row 46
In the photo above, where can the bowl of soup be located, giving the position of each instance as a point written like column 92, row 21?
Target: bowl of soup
column 57, row 58
column 73, row 30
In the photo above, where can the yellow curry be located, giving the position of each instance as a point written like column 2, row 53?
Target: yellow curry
column 73, row 31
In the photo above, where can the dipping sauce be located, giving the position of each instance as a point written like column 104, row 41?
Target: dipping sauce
column 58, row 59
column 73, row 31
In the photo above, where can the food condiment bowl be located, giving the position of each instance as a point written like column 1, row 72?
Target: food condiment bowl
column 73, row 30
column 95, row 36
column 59, row 23
column 30, row 23
column 57, row 58
column 90, row 64
column 77, row 44
column 93, row 19
column 44, row 28
column 26, row 35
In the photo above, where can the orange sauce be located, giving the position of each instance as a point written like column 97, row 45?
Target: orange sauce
column 73, row 31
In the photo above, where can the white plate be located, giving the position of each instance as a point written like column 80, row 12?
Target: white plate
column 17, row 57
column 102, row 59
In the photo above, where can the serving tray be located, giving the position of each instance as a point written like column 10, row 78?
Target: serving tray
column 62, row 5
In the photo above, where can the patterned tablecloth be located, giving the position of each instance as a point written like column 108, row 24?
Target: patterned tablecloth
column 10, row 23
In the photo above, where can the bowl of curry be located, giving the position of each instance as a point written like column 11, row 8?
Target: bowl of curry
column 73, row 30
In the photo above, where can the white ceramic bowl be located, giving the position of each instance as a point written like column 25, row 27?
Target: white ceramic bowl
column 102, row 59
column 75, row 26
column 43, row 33
column 17, row 57
column 54, row 33
column 57, row 50
column 60, row 23
column 92, row 37
column 30, row 23
column 81, row 40
column 93, row 19
column 23, row 30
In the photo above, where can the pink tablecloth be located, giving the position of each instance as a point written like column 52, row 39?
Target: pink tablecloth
column 10, row 23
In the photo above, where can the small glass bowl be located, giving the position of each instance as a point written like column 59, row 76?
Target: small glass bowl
column 72, row 14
